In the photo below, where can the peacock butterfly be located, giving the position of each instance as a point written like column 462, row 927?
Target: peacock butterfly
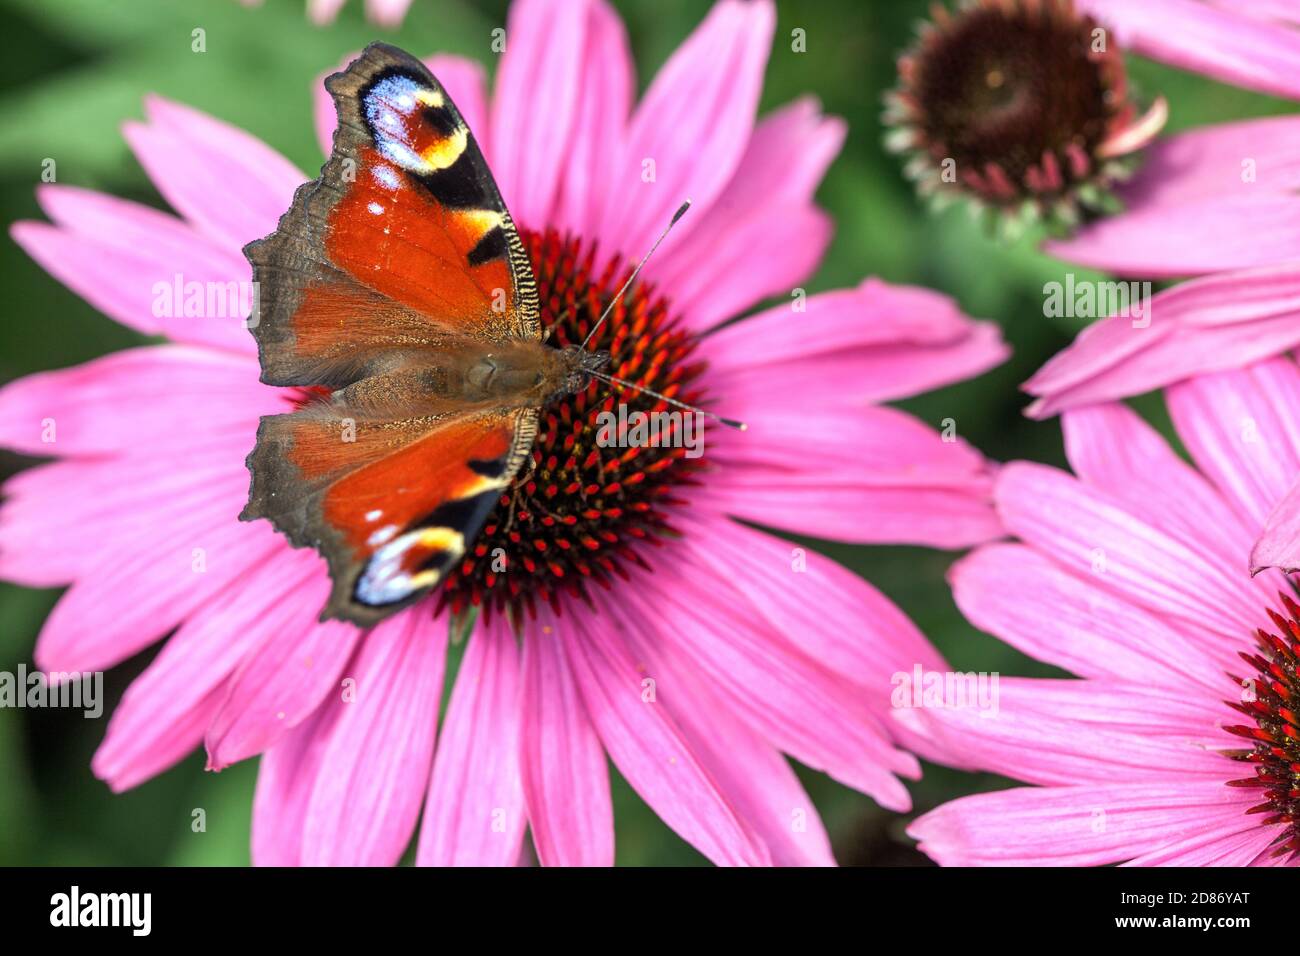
column 397, row 294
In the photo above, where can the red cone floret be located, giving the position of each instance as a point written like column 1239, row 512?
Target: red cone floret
column 579, row 512
column 1020, row 106
column 1272, row 702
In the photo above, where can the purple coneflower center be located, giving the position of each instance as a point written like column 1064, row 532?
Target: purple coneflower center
column 1014, row 100
column 579, row 512
column 1271, row 700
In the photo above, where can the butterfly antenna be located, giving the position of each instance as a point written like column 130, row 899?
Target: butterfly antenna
column 681, row 211
column 615, row 380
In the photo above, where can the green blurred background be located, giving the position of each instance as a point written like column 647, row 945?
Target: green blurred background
column 72, row 70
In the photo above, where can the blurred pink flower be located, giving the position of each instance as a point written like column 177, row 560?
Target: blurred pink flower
column 386, row 13
column 1131, row 574
column 745, row 659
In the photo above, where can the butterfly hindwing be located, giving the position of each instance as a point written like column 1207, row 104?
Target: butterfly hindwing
column 392, row 506
column 385, row 279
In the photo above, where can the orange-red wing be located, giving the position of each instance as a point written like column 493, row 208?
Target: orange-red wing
column 403, row 241
column 391, row 505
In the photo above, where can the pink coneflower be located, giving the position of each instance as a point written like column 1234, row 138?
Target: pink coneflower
column 691, row 659
column 1216, row 204
column 1180, row 743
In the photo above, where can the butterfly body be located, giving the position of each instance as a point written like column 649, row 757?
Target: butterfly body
column 397, row 294
column 470, row 375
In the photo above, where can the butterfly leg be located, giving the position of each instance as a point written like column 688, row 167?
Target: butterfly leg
column 559, row 320
column 520, row 481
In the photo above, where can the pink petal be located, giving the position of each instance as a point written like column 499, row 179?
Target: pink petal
column 1227, row 231
column 1201, row 326
column 1112, row 448
column 827, row 611
column 1222, row 44
column 694, row 124
column 387, row 13
column 1279, row 544
column 765, row 251
column 785, row 696
column 1284, row 10
column 141, row 751
column 323, row 12
column 535, row 103
column 371, row 778
column 142, row 267
column 1212, row 161
column 142, row 398
column 762, row 235
column 954, row 513
column 285, row 679
column 565, row 780
column 1078, row 825
column 325, row 118
column 877, row 342
column 753, row 774
column 1237, row 428
column 1091, row 535
column 650, row 750
column 1028, row 740
column 230, row 185
column 876, row 313
column 880, row 374
column 1226, row 846
column 607, row 84
column 154, row 514
column 149, row 582
column 934, row 517
column 165, row 711
column 1056, row 617
column 475, row 810
column 871, row 446
column 1161, row 713
column 794, row 468
column 788, row 154
column 286, row 775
